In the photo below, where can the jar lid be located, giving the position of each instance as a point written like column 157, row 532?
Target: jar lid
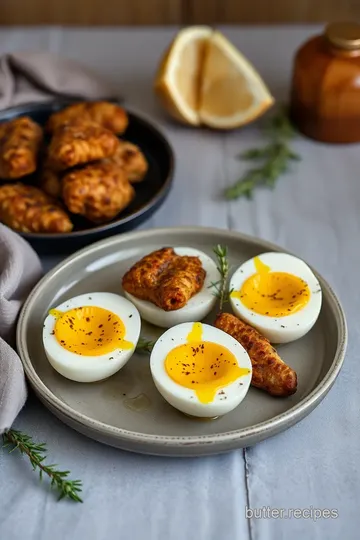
column 345, row 35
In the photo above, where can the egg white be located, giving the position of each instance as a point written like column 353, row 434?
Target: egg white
column 290, row 327
column 197, row 308
column 83, row 368
column 185, row 399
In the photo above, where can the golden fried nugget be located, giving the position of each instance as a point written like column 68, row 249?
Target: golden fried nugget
column 20, row 141
column 8, row 191
column 270, row 373
column 108, row 115
column 144, row 275
column 79, row 143
column 183, row 279
column 50, row 182
column 28, row 209
column 166, row 279
column 98, row 191
column 77, row 111
column 132, row 160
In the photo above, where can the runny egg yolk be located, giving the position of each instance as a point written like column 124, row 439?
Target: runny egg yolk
column 89, row 331
column 275, row 294
column 203, row 366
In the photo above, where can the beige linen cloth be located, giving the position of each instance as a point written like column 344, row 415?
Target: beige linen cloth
column 20, row 269
column 29, row 76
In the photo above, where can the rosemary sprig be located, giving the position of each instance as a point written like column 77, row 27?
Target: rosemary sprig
column 223, row 267
column 36, row 453
column 274, row 157
column 144, row 345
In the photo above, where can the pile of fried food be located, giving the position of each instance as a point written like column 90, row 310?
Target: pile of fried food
column 84, row 169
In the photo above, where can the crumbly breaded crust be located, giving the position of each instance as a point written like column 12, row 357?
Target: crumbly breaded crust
column 166, row 279
column 80, row 143
column 108, row 115
column 28, row 209
column 270, row 373
column 20, row 142
column 98, row 191
column 132, row 160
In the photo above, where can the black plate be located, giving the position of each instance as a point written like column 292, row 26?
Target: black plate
column 150, row 193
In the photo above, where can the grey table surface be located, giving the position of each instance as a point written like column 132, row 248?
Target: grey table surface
column 314, row 213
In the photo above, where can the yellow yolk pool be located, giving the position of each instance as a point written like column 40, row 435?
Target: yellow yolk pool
column 276, row 294
column 203, row 366
column 90, row 331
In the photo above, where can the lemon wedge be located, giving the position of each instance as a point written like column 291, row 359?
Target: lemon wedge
column 178, row 80
column 204, row 80
column 232, row 92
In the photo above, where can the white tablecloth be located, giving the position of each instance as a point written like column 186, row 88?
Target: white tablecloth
column 314, row 212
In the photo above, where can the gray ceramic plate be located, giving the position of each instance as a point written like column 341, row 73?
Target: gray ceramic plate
column 107, row 410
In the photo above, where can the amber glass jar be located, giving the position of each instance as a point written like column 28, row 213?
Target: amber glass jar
column 325, row 93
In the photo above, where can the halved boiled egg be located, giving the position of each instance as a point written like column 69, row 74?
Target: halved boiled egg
column 90, row 337
column 196, row 308
column 200, row 370
column 277, row 294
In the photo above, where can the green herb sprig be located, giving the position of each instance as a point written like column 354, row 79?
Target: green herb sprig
column 274, row 158
column 36, row 452
column 144, row 345
column 223, row 267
